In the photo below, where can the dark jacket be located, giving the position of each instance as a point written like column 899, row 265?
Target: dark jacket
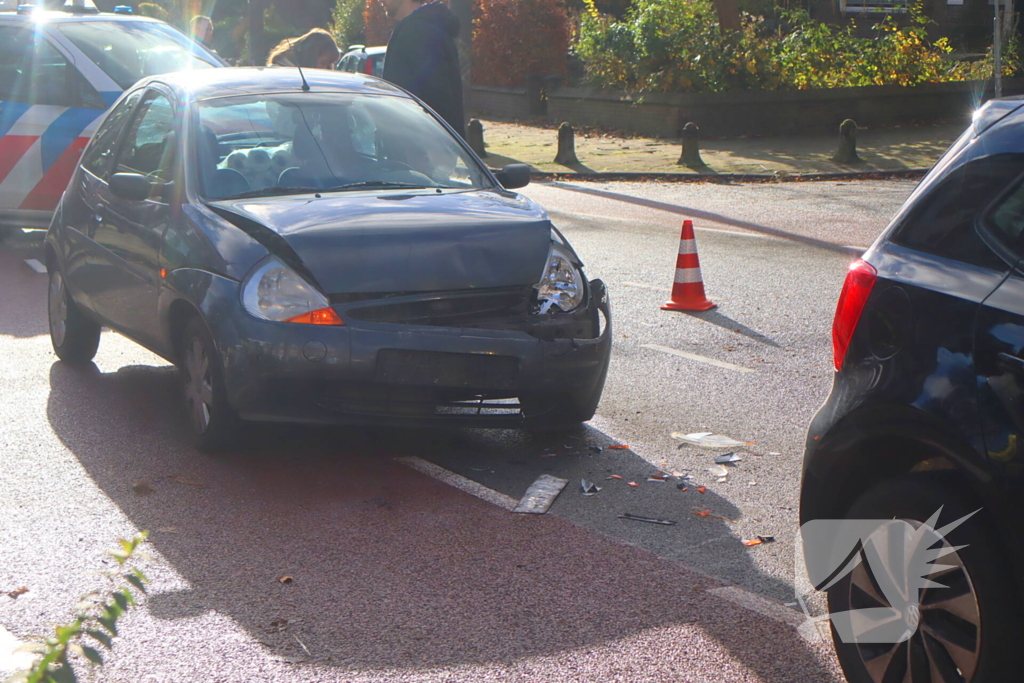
column 422, row 57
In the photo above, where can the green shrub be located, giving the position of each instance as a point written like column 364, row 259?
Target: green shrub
column 347, row 23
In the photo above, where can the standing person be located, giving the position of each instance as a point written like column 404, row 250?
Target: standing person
column 201, row 28
column 314, row 50
column 422, row 56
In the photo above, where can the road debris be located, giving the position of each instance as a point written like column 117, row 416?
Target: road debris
column 662, row 479
column 766, row 539
column 285, row 579
column 649, row 520
column 728, row 459
column 682, row 487
column 277, row 625
column 634, row 484
column 618, row 447
column 17, row 592
column 187, row 482
column 719, row 471
column 710, row 440
column 302, row 645
column 596, row 449
column 541, row 494
column 707, row 513
column 752, row 542
column 614, row 476
column 143, row 488
column 589, row 487
column 702, row 489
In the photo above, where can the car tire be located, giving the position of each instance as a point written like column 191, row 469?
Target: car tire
column 75, row 337
column 988, row 604
column 211, row 420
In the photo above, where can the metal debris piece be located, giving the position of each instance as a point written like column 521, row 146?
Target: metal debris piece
column 728, row 459
column 285, row 579
column 541, row 494
column 766, row 539
column 649, row 520
column 589, row 487
column 143, row 488
column 710, row 440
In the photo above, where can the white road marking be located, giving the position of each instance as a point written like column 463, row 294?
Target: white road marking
column 460, row 482
column 699, row 359
column 760, row 604
column 36, row 266
column 662, row 289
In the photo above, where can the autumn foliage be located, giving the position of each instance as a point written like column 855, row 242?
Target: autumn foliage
column 513, row 38
column 377, row 26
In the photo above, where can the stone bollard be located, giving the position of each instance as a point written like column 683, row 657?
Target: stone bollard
column 691, row 147
column 566, row 145
column 475, row 137
column 847, row 153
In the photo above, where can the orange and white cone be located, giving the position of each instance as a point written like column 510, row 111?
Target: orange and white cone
column 688, row 288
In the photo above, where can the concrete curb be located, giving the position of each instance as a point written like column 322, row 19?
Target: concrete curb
column 903, row 174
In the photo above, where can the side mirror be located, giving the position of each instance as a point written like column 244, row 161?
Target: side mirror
column 513, row 176
column 132, row 186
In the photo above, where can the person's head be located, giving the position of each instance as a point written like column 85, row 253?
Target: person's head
column 314, row 50
column 201, row 28
column 400, row 9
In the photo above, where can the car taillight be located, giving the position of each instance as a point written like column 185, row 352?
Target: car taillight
column 856, row 289
column 369, row 66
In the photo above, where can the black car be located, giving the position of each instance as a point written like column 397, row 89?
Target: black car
column 321, row 248
column 927, row 413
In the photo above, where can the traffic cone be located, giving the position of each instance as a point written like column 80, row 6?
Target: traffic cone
column 688, row 288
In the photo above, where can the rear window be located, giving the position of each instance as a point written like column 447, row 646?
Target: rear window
column 130, row 50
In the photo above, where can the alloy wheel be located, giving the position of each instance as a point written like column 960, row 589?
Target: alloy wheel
column 944, row 619
column 198, row 385
column 57, row 306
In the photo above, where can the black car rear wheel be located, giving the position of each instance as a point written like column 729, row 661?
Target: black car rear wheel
column 967, row 630
column 206, row 405
column 75, row 338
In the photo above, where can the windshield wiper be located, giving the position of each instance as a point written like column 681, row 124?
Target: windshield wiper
column 270, row 192
column 374, row 184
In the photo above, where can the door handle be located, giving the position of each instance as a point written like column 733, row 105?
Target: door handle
column 1010, row 363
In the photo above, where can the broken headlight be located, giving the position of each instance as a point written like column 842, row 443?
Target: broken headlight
column 273, row 291
column 561, row 284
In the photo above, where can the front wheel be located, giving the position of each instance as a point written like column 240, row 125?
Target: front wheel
column 75, row 337
column 210, row 416
column 897, row 619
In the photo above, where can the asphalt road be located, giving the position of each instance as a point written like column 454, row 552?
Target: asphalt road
column 400, row 577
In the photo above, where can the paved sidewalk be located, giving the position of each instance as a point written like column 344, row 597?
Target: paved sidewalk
column 883, row 149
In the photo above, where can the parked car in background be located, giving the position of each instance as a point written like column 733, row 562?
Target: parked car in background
column 334, row 255
column 59, row 71
column 926, row 414
column 364, row 60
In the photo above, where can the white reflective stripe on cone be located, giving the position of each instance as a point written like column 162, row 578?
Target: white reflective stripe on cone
column 687, row 276
column 687, row 246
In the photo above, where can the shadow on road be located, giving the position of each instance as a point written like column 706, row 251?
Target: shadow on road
column 390, row 569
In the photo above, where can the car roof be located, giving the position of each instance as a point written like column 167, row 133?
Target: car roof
column 58, row 16
column 205, row 84
column 376, row 50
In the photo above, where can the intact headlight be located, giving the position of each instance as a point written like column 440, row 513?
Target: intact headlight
column 561, row 284
column 273, row 291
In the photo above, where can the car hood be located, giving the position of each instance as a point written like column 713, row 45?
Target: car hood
column 394, row 242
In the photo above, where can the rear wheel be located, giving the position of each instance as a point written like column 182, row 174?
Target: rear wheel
column 209, row 415
column 75, row 337
column 966, row 630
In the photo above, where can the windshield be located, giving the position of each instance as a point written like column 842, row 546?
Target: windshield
column 130, row 50
column 281, row 143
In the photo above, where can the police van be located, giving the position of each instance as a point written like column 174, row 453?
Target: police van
column 61, row 67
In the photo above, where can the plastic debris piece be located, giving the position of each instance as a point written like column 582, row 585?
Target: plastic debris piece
column 14, row 594
column 143, row 488
column 285, row 579
column 728, row 459
column 634, row 484
column 614, row 476
column 766, row 539
column 589, row 487
column 702, row 489
column 682, row 487
column 773, row 453
column 657, row 478
column 541, row 494
column 595, row 449
column 710, row 440
column 680, row 475
column 649, row 520
column 707, row 513
column 718, row 471
column 618, row 447
column 752, row 542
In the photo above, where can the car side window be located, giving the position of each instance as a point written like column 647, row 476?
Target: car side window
column 1005, row 219
column 33, row 71
column 945, row 222
column 149, row 143
column 97, row 156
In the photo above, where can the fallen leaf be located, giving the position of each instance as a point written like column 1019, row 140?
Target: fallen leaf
column 16, row 592
column 285, row 579
column 703, row 513
column 702, row 489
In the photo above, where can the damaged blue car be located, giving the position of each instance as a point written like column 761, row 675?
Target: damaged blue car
column 321, row 248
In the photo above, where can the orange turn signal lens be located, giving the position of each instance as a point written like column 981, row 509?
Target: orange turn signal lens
column 321, row 316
